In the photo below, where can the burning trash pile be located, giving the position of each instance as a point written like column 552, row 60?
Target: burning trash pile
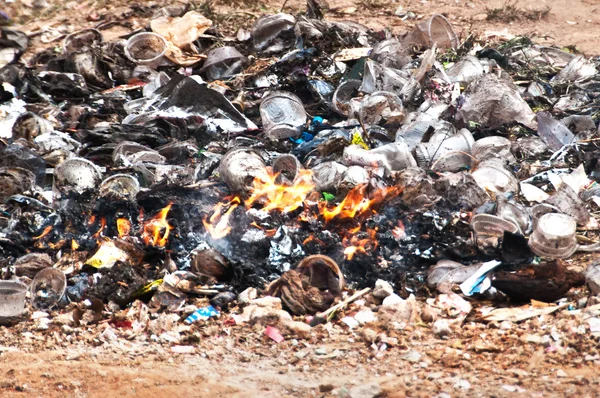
column 294, row 169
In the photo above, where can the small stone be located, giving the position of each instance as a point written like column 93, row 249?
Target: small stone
column 321, row 351
column 411, row 356
column 441, row 328
column 382, row 289
column 365, row 316
column 560, row 373
column 66, row 329
column 366, row 391
column 462, row 384
column 43, row 324
column 480, row 17
column 326, row 387
column 506, row 325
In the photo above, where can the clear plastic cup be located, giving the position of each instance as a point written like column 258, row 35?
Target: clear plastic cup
column 146, row 48
column 12, row 298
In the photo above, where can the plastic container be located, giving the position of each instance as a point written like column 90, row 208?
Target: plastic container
column 12, row 298
column 146, row 48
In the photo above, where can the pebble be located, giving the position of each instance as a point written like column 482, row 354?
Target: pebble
column 365, row 391
column 441, row 328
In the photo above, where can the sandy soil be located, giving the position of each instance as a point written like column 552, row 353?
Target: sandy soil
column 242, row 362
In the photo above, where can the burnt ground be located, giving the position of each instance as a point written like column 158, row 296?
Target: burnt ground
column 477, row 359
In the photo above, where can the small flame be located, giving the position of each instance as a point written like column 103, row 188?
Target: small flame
column 218, row 225
column 102, row 226
column 92, row 220
column 156, row 230
column 357, row 203
column 74, row 245
column 281, row 197
column 44, row 233
column 355, row 244
column 269, row 232
column 123, row 227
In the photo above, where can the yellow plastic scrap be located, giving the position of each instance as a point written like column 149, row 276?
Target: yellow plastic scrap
column 357, row 139
column 148, row 288
column 107, row 255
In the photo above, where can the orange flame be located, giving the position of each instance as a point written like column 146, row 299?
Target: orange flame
column 356, row 245
column 102, row 226
column 268, row 232
column 44, row 233
column 74, row 245
column 357, row 203
column 123, row 227
column 281, row 197
column 218, row 224
column 156, row 230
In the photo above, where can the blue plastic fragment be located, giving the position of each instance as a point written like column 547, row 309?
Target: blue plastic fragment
column 202, row 314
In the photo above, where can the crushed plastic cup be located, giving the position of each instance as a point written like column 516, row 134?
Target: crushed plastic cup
column 490, row 147
column 82, row 40
column 489, row 229
column 267, row 29
column 435, row 30
column 343, row 94
column 47, row 288
column 449, row 154
column 75, row 176
column 492, row 176
column 12, row 298
column 391, row 157
column 552, row 132
column 286, row 168
column 568, row 201
column 223, row 62
column 15, row 180
column 146, row 48
column 281, row 131
column 120, row 187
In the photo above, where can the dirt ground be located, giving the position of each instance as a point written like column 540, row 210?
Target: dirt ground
column 481, row 360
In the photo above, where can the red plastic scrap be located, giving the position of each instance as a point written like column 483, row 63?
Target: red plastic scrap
column 274, row 334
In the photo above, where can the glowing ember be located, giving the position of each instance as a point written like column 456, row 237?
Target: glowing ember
column 156, row 230
column 355, row 244
column 102, row 226
column 218, row 225
column 398, row 231
column 44, row 233
column 281, row 197
column 123, row 227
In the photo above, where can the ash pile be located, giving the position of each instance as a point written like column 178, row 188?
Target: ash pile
column 305, row 162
